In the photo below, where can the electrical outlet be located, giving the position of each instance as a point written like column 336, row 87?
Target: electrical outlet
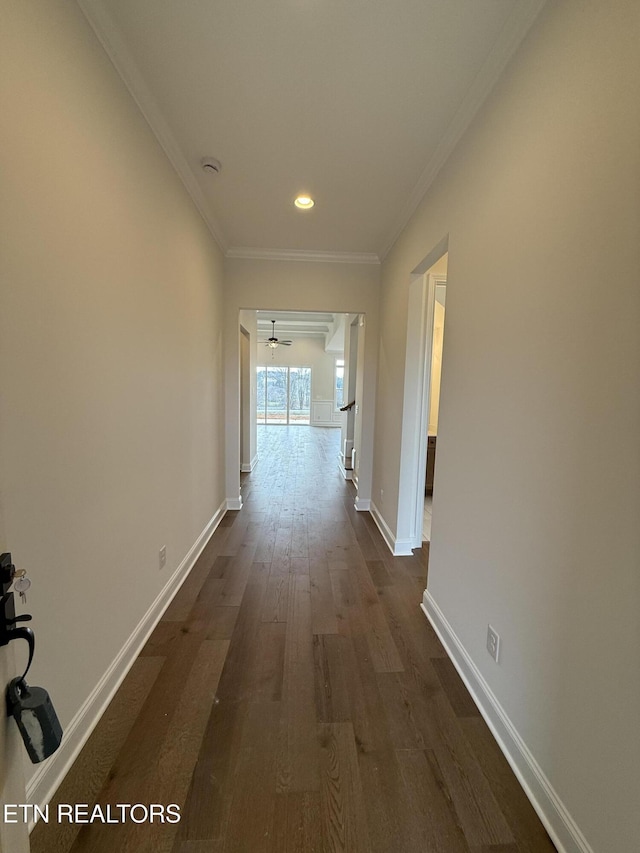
column 493, row 643
column 381, row 494
column 163, row 556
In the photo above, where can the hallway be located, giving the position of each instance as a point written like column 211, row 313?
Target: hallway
column 295, row 698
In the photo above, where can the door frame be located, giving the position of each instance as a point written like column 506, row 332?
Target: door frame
column 415, row 412
column 433, row 281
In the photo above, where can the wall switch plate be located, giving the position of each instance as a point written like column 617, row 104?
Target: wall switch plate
column 493, row 643
column 163, row 556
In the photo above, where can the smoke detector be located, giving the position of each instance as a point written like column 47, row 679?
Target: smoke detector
column 211, row 166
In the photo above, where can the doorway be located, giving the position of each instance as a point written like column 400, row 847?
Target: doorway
column 297, row 374
column 422, row 385
column 433, row 393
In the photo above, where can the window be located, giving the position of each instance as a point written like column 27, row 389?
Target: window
column 339, row 383
column 283, row 395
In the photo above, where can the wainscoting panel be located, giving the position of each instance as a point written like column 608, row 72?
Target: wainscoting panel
column 323, row 414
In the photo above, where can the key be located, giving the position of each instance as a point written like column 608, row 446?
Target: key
column 21, row 585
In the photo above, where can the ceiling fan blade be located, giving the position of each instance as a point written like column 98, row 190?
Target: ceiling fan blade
column 273, row 341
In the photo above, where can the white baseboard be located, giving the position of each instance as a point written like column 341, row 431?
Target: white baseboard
column 347, row 473
column 404, row 548
column 44, row 783
column 361, row 504
column 564, row 831
column 247, row 468
column 398, row 547
column 234, row 503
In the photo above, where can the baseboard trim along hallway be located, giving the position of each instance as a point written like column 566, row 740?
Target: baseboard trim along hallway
column 294, row 697
column 49, row 775
column 398, row 547
column 247, row 468
column 361, row 504
column 563, row 830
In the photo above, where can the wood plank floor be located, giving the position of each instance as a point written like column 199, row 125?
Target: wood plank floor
column 295, row 699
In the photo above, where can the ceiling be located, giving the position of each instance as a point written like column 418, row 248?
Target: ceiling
column 354, row 102
column 293, row 325
column 298, row 323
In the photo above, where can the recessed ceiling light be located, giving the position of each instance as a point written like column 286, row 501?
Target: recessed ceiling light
column 304, row 202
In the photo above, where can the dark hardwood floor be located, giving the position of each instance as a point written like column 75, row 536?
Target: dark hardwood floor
column 295, row 698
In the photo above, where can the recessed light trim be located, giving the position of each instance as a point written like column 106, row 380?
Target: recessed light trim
column 304, row 202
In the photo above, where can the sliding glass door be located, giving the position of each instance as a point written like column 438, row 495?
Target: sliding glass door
column 283, row 395
column 272, row 385
column 299, row 395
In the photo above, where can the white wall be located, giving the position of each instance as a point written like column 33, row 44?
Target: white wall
column 111, row 440
column 298, row 286
column 535, row 518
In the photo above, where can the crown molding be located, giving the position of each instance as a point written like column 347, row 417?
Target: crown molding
column 103, row 26
column 301, row 255
column 509, row 40
column 513, row 32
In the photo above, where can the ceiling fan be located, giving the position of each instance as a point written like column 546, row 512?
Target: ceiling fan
column 274, row 342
